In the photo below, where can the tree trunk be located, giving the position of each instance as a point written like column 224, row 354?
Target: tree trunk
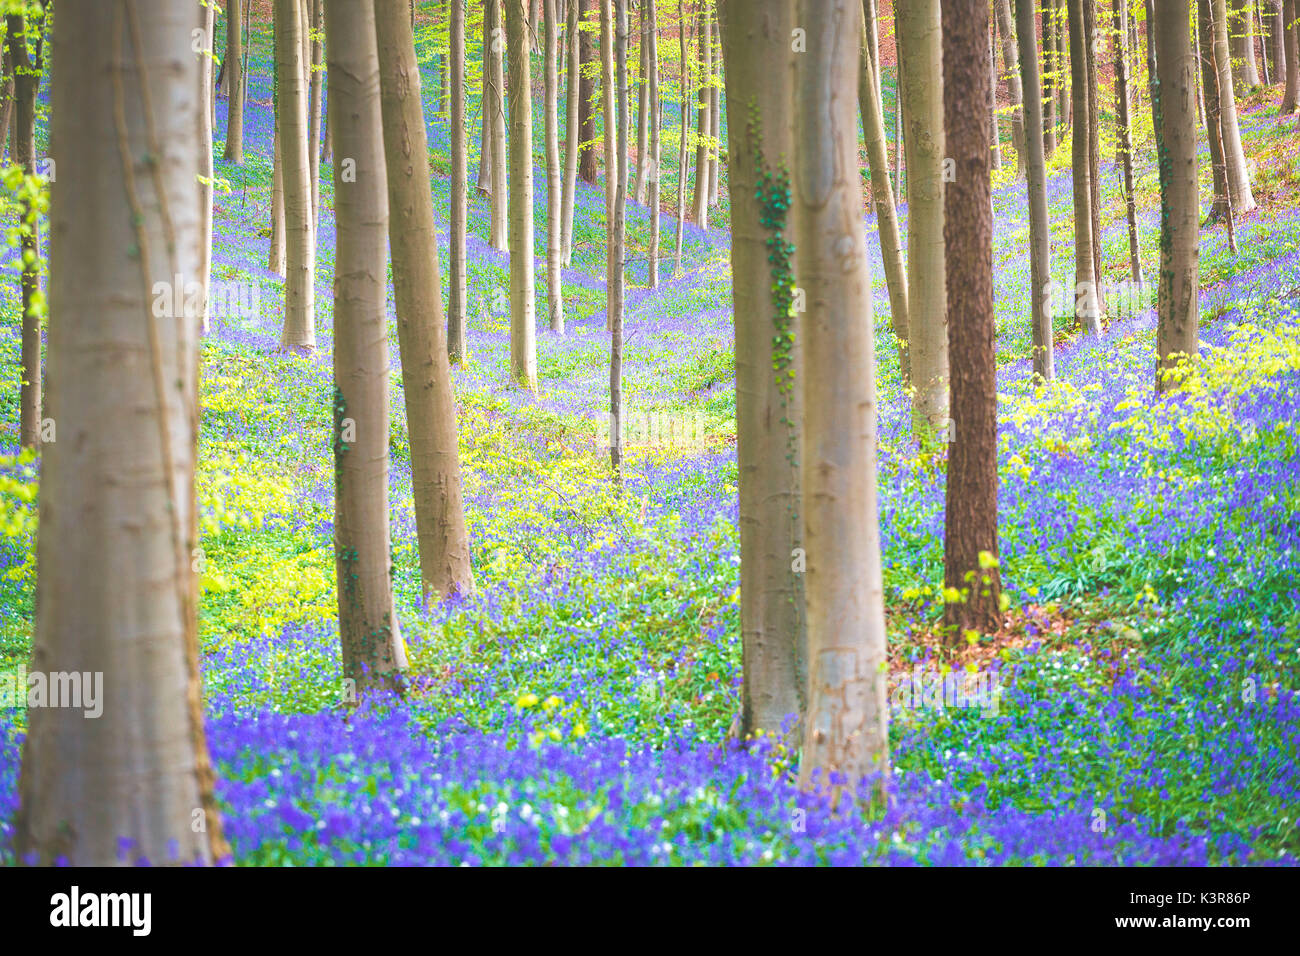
column 426, row 376
column 299, row 332
column 970, row 526
column 873, row 123
column 118, row 543
column 1040, row 247
column 523, row 306
column 700, row 200
column 571, row 135
column 1087, row 307
column 1178, row 330
column 27, row 82
column 617, row 33
column 715, row 130
column 609, row 100
column 918, row 33
column 760, row 106
column 846, row 728
column 588, row 167
column 1219, row 209
column 1050, row 80
column 656, row 124
column 316, row 87
column 1263, row 33
column 495, row 109
column 207, row 19
column 1011, row 64
column 992, row 105
column 234, row 70
column 1243, row 200
column 374, row 654
column 457, row 347
column 6, row 97
column 1278, row 34
column 1094, row 144
column 1120, row 8
column 554, row 303
column 483, row 186
column 642, row 113
column 1291, row 31
column 684, row 129
column 1242, row 24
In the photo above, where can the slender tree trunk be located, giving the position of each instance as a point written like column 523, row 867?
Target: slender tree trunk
column 457, row 314
column 1050, row 80
column 234, row 70
column 700, row 202
column 656, row 124
column 1291, row 29
column 1219, row 210
column 426, row 376
column 118, row 544
column 207, row 17
column 1240, row 195
column 374, row 654
column 761, row 115
column 642, row 112
column 1087, row 307
column 299, row 332
column 970, row 527
column 483, row 186
column 994, row 133
column 27, row 81
column 846, row 729
column 496, row 109
column 918, row 32
column 715, row 130
column 609, row 99
column 1281, row 63
column 1178, row 331
column 554, row 303
column 571, row 135
column 1094, row 144
column 898, row 126
column 1011, row 64
column 6, row 97
column 314, row 104
column 1040, row 246
column 1262, row 19
column 588, row 167
column 614, row 54
column 1242, row 28
column 873, row 123
column 523, row 306
column 1120, row 8
column 684, row 128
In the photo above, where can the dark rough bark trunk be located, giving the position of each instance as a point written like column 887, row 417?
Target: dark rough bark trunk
column 588, row 165
column 971, row 509
column 768, row 408
column 1036, row 177
column 1173, row 112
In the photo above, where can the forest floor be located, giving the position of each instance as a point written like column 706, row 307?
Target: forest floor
column 577, row 708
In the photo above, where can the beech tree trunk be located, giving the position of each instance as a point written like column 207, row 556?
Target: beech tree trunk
column 1241, row 26
column 494, row 110
column 1173, row 112
column 1219, row 209
column 684, row 129
column 299, row 331
column 873, row 123
column 374, row 654
column 1291, row 31
column 761, row 115
column 457, row 314
column 1011, row 64
column 588, row 166
column 1123, row 127
column 118, row 542
column 426, row 376
column 554, row 303
column 700, row 200
column 970, row 526
column 1087, row 305
column 207, row 23
column 656, row 124
column 235, row 73
column 1050, row 81
column 642, row 112
column 27, row 81
column 1040, row 247
column 919, row 37
column 846, row 728
column 614, row 53
column 571, row 135
column 1243, row 200
column 523, row 306
column 995, row 144
column 316, row 94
